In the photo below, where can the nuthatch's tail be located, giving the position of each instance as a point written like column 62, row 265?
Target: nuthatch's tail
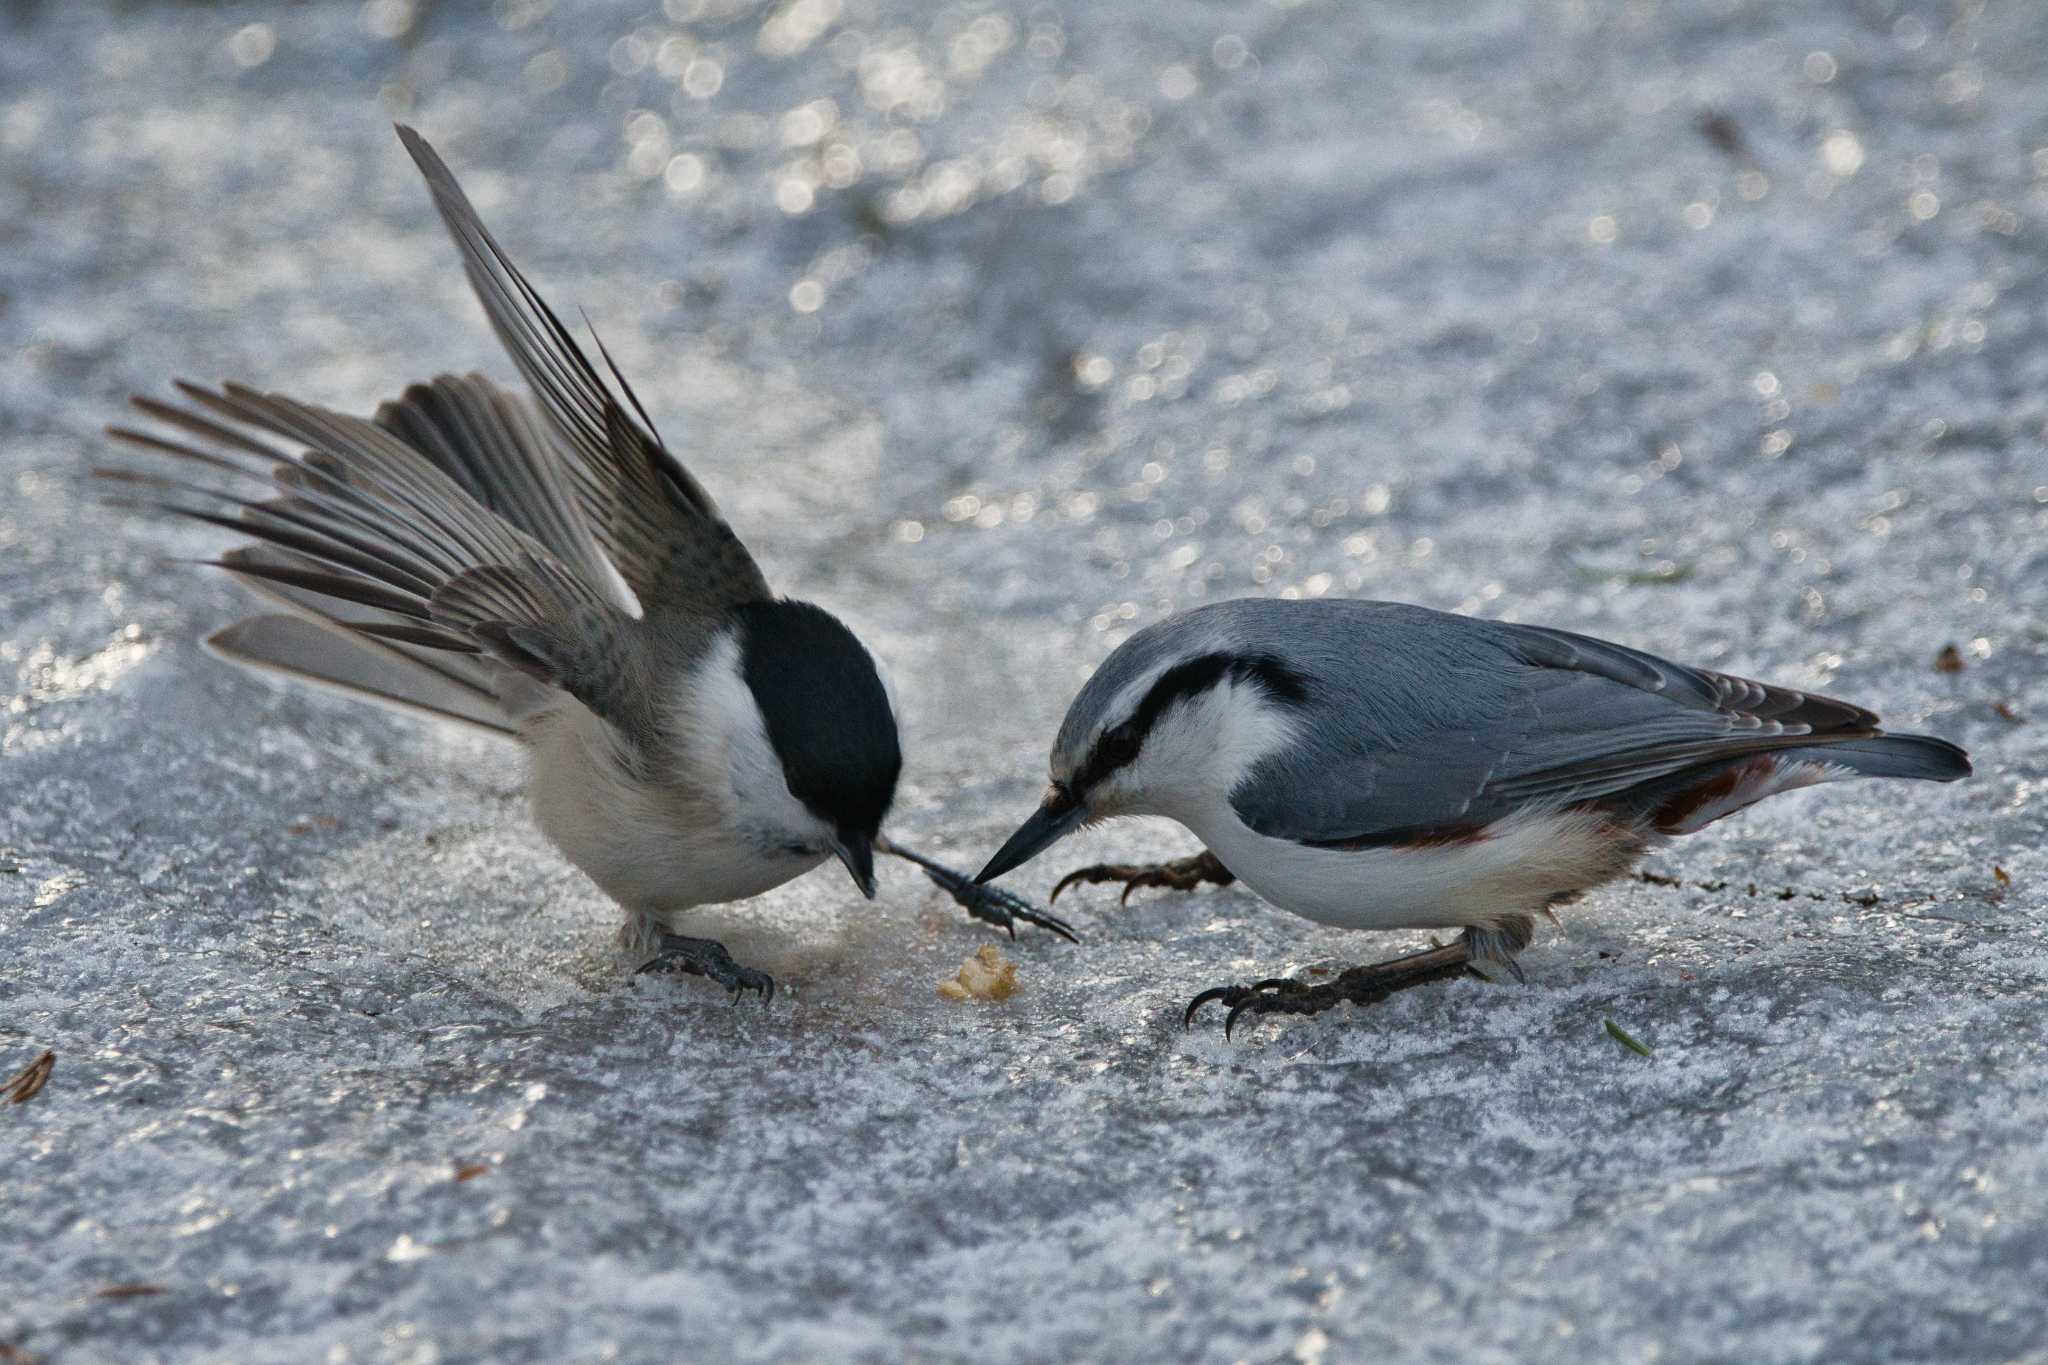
column 1922, row 757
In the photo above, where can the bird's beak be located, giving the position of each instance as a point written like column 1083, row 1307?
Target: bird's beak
column 1056, row 817
column 857, row 851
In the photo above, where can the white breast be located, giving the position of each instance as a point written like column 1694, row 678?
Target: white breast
column 653, row 847
column 1513, row 867
column 713, row 822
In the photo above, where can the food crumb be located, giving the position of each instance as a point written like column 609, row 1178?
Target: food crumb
column 988, row 975
column 1949, row 660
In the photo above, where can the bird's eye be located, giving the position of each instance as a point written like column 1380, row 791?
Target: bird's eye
column 1118, row 747
column 1112, row 750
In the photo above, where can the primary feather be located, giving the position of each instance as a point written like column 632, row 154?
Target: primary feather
column 656, row 523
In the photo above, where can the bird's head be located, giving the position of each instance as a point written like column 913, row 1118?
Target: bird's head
column 1172, row 717
column 832, row 730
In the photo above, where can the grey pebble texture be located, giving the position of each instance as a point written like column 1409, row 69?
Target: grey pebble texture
column 1718, row 329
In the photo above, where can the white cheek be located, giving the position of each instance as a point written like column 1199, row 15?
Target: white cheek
column 722, row 739
column 1196, row 753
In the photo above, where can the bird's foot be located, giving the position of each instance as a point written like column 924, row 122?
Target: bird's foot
column 703, row 957
column 989, row 904
column 1182, row 874
column 1366, row 985
column 1493, row 950
column 993, row 905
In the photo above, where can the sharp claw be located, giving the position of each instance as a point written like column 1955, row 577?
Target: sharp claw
column 994, row 905
column 1055, row 925
column 1184, row 874
column 1050, row 923
column 1261, row 997
column 711, row 961
column 1213, row 993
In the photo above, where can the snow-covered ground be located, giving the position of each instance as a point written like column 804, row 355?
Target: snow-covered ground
column 1717, row 329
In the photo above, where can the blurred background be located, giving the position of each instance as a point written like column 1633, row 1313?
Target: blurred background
column 1004, row 329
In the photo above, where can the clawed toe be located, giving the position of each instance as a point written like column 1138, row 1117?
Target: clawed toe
column 994, row 905
column 1229, row 995
column 1361, row 985
column 989, row 904
column 1131, row 877
column 747, row 979
column 1274, row 995
column 1182, row 874
column 702, row 957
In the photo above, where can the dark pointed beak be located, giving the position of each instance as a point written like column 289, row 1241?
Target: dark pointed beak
column 857, row 851
column 1056, row 817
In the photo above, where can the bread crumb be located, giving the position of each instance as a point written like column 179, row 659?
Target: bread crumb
column 988, row 975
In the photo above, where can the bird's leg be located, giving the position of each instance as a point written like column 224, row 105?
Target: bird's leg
column 989, row 904
column 1182, row 874
column 1493, row 950
column 703, row 957
column 1475, row 951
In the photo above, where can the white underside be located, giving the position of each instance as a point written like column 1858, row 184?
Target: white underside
column 657, row 849
column 1513, row 869
column 716, row 822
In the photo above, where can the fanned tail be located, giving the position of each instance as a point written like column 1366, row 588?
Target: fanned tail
column 365, row 535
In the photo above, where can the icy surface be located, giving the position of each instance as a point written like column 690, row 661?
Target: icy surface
column 1004, row 332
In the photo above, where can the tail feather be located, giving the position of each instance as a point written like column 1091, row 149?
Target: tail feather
column 361, row 667
column 1919, row 757
column 1695, row 798
column 365, row 532
column 263, row 570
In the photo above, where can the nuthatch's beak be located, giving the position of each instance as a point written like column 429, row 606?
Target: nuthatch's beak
column 1056, row 817
column 857, row 851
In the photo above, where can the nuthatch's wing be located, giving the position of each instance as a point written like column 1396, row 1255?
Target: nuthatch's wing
column 653, row 520
column 1438, row 725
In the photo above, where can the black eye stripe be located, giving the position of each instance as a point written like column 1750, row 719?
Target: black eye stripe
column 1120, row 744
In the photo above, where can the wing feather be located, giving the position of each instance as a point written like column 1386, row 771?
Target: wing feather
column 366, row 520
column 1518, row 716
column 654, row 521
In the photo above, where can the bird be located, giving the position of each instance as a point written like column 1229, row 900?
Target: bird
column 546, row 569
column 1377, row 765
